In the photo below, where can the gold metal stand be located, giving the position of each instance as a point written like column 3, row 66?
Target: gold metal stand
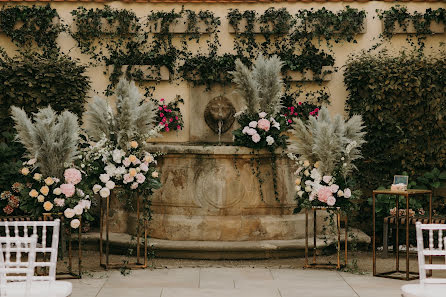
column 105, row 221
column 338, row 227
column 397, row 273
column 70, row 274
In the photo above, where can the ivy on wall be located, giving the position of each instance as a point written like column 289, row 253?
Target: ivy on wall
column 28, row 24
column 421, row 22
column 403, row 101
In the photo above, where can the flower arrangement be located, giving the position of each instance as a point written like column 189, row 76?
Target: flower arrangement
column 258, row 131
column 261, row 124
column 303, row 110
column 45, row 194
column 169, row 115
column 10, row 200
column 119, row 157
column 326, row 150
column 133, row 170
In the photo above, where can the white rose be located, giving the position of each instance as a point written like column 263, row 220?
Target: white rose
column 251, row 132
column 110, row 184
column 96, row 188
column 78, row 209
column 298, row 188
column 110, row 169
column 340, row 193
column 253, row 124
column 308, row 189
column 307, row 173
column 104, row 178
column 269, row 140
column 262, row 114
column 75, row 223
column 104, row 192
column 86, row 204
column 120, row 171
column 300, row 193
column 69, row 213
column 57, row 191
column 117, row 155
column 155, row 174
column 347, row 193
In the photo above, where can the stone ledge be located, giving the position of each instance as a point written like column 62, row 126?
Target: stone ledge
column 215, row 250
column 199, row 149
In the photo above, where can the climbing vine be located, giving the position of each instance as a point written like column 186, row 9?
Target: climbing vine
column 28, row 24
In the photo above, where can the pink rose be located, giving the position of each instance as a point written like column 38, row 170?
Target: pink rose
column 263, row 124
column 255, row 138
column 334, row 188
column 331, row 201
column 128, row 178
column 59, row 202
column 253, row 124
column 72, row 176
column 134, row 186
column 140, row 178
column 68, row 189
column 347, row 193
column 326, row 178
column 251, row 131
column 126, row 162
column 323, row 194
column 144, row 167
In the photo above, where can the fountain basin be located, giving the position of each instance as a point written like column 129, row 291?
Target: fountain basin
column 223, row 193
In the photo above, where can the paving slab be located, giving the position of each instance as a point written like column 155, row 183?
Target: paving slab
column 176, row 292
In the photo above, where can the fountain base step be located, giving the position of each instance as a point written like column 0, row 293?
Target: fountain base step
column 219, row 250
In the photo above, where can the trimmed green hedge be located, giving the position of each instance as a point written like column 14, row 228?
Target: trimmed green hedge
column 32, row 80
column 403, row 103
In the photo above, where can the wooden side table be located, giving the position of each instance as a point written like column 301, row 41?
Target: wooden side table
column 394, row 273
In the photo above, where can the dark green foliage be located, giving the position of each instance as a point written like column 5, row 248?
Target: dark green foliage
column 25, row 24
column 10, row 163
column 403, row 101
column 31, row 80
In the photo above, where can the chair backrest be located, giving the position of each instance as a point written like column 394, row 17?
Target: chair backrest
column 47, row 233
column 17, row 248
column 434, row 248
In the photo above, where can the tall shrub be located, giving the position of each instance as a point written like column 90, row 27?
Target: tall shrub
column 402, row 100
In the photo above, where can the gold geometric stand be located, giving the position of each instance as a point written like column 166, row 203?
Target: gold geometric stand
column 315, row 264
column 105, row 223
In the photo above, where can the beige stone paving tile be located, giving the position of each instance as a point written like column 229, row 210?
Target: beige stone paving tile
column 179, row 278
column 85, row 291
column 296, row 284
column 187, row 292
column 228, row 275
column 318, row 291
column 130, row 292
column 296, row 274
column 378, row 292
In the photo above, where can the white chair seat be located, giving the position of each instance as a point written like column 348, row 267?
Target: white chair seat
column 39, row 288
column 430, row 290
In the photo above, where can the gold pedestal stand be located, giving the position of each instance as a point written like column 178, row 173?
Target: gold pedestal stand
column 105, row 223
column 338, row 224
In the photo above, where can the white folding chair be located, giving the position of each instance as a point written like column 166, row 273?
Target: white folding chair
column 428, row 287
column 19, row 270
column 46, row 255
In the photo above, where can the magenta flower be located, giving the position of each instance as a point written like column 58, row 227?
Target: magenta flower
column 178, row 127
column 161, row 114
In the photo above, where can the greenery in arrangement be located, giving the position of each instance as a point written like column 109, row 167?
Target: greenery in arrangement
column 261, row 124
column 28, row 24
column 402, row 101
column 11, row 153
column 119, row 156
column 52, row 183
column 326, row 149
column 51, row 140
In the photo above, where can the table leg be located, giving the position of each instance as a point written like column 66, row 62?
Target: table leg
column 346, row 241
column 306, row 237
column 374, row 235
column 397, row 247
column 407, row 237
column 314, row 236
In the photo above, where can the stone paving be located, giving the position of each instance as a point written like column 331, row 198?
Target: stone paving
column 234, row 282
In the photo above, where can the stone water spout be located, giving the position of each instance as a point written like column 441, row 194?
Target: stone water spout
column 219, row 115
